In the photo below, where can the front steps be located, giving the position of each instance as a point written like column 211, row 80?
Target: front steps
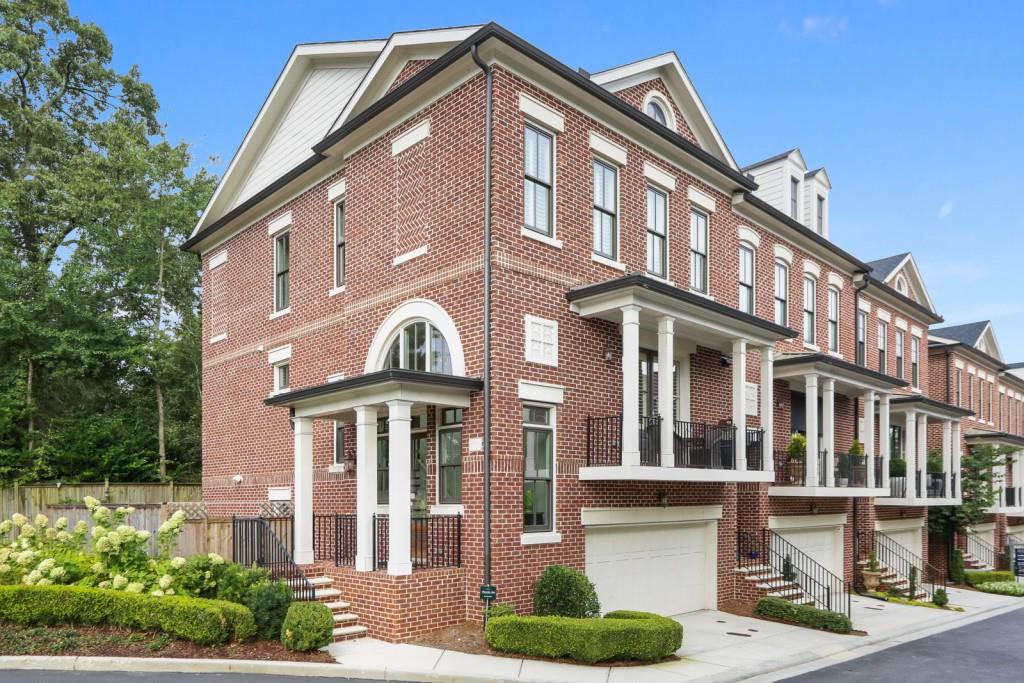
column 769, row 583
column 346, row 622
column 973, row 564
column 891, row 581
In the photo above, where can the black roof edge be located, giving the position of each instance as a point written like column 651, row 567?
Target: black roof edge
column 999, row 365
column 372, row 378
column 907, row 301
column 798, row 358
column 805, row 231
column 942, row 405
column 641, row 280
column 1000, row 436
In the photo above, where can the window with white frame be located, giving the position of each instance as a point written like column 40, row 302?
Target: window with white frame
column 419, row 346
column 539, row 467
column 606, row 178
column 781, row 293
column 449, row 456
column 900, row 371
column 339, row 442
column 281, row 376
column 656, row 112
column 970, row 393
column 991, row 400
column 820, row 221
column 746, row 278
column 282, row 266
column 833, row 320
column 339, row 243
column 657, row 232
column 915, row 361
column 959, row 388
column 862, row 338
column 810, row 308
column 794, row 193
column 883, row 342
column 541, row 340
column 699, row 251
column 538, row 180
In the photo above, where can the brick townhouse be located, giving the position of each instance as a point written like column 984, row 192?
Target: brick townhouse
column 610, row 381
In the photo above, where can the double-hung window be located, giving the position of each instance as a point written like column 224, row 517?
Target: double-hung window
column 747, row 279
column 970, row 395
column 449, row 456
column 810, row 308
column 606, row 180
column 538, row 472
column 282, row 377
column 781, row 293
column 959, row 388
column 862, row 337
column 699, row 251
column 915, row 361
column 833, row 320
column 883, row 343
column 900, row 372
column 657, row 232
column 794, row 192
column 282, row 262
column 339, row 244
column 821, row 215
column 339, row 442
column 537, row 180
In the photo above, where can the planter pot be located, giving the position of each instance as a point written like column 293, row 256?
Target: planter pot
column 796, row 471
column 843, row 482
column 871, row 580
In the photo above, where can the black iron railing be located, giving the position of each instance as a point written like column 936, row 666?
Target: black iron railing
column 750, row 549
column 650, row 441
column 878, row 472
column 905, row 564
column 851, row 471
column 791, row 470
column 1011, row 497
column 254, row 541
column 604, row 441
column 828, row 591
column 936, row 485
column 952, row 485
column 334, row 539
column 435, row 541
column 898, row 487
column 704, row 446
column 982, row 550
column 755, row 448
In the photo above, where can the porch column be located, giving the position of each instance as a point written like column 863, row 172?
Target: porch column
column 768, row 408
column 869, row 436
column 811, row 413
column 828, row 428
column 884, row 445
column 399, row 486
column 910, row 453
column 947, row 453
column 366, row 485
column 739, row 402
column 630, row 385
column 957, row 454
column 922, row 454
column 303, row 521
column 666, row 380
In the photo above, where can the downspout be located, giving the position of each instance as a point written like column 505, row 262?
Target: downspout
column 860, row 283
column 489, row 96
column 949, row 372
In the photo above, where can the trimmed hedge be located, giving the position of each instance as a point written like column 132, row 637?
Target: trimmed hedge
column 1003, row 588
column 565, row 592
column 202, row 621
column 974, row 578
column 777, row 608
column 307, row 626
column 619, row 635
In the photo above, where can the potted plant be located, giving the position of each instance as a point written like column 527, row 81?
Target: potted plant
column 856, row 465
column 796, row 453
column 872, row 574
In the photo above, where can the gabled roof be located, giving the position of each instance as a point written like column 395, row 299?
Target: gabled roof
column 888, row 270
column 668, row 67
column 822, row 175
column 1015, row 366
column 778, row 157
column 969, row 333
column 884, row 267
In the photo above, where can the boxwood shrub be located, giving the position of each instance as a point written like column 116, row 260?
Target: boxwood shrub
column 973, row 578
column 620, row 635
column 565, row 592
column 202, row 621
column 777, row 608
column 307, row 626
column 1003, row 588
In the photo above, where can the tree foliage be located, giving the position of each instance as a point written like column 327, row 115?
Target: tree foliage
column 979, row 488
column 98, row 307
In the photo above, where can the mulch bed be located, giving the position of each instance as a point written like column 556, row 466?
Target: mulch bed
column 746, row 609
column 469, row 637
column 101, row 641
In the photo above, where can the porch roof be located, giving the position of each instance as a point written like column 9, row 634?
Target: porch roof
column 984, row 436
column 930, row 406
column 332, row 398
column 850, row 376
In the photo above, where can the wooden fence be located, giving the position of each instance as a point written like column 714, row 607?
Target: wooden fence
column 33, row 499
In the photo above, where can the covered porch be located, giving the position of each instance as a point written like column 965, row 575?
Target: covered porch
column 395, row 532
column 1008, row 478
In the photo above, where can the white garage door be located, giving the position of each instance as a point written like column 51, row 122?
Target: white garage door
column 661, row 568
column 824, row 545
column 906, row 538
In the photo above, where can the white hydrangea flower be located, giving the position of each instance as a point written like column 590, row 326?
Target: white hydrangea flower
column 6, row 526
column 102, row 544
column 62, row 523
column 27, row 530
column 41, row 520
column 4, row 554
column 119, row 582
column 25, row 557
column 63, row 536
column 169, row 591
column 98, row 568
column 90, row 502
column 178, row 562
column 19, row 519
column 165, row 581
column 103, row 584
column 31, row 578
column 158, row 593
column 58, row 573
column 81, row 526
column 135, row 587
column 44, row 582
column 215, row 558
column 5, row 569
column 142, row 535
column 46, row 565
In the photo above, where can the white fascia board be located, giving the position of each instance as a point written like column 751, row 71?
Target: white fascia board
column 912, row 263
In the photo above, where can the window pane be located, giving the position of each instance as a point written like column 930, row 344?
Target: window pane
column 382, row 470
column 538, row 452
column 536, row 415
column 536, row 504
column 440, row 356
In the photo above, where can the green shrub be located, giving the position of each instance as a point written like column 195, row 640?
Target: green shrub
column 956, row 567
column 205, row 622
column 912, row 582
column 307, row 626
column 564, row 592
column 973, row 578
column 777, row 608
column 1003, row 588
column 897, row 467
column 940, row 598
column 618, row 636
column 788, row 571
column 269, row 604
column 500, row 609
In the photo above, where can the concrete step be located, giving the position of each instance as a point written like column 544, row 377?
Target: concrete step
column 775, row 584
column 753, row 569
column 338, row 606
column 321, row 581
column 803, row 600
column 349, row 632
column 326, row 593
column 340, row 619
column 785, row 593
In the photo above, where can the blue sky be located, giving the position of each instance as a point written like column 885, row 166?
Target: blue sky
column 914, row 107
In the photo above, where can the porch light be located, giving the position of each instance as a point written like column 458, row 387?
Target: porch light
column 237, row 478
column 726, row 361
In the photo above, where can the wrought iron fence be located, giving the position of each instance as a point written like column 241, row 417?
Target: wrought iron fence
column 791, row 470
column 828, row 591
column 704, row 446
column 254, row 541
column 604, row 440
column 851, row 471
column 982, row 550
column 650, row 441
column 435, row 541
column 334, row 539
column 755, row 448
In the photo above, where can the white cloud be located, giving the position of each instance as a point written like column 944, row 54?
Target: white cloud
column 946, row 209
column 819, row 28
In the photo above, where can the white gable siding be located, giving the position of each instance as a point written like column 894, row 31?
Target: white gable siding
column 318, row 102
column 770, row 186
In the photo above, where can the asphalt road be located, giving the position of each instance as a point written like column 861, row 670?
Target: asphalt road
column 988, row 650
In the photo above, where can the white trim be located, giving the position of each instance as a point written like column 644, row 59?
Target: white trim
column 783, row 253
column 785, row 522
column 663, row 179
column 541, row 392
column 413, row 136
column 907, row 524
column 749, row 236
column 218, row 337
column 335, row 291
column 864, row 305
column 335, row 377
column 278, row 314
column 916, row 331
column 416, row 309
column 813, row 269
column 336, row 191
column 541, row 113
column 539, row 537
column 553, row 535
column 663, row 104
column 409, row 255
column 218, row 259
column 279, row 493
column 883, row 315
column 448, row 509
column 279, row 355
column 701, row 199
column 901, row 324
column 604, row 147
column 691, row 474
column 649, row 515
column 544, row 239
column 836, row 281
column 617, row 265
column 529, row 320
column 279, row 224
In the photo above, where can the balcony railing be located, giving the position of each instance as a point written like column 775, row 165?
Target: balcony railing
column 791, row 470
column 436, row 541
column 878, row 472
column 898, row 487
column 755, row 448
column 694, row 444
column 334, row 539
column 650, row 441
column 604, row 441
column 851, row 471
column 1011, row 497
column 952, row 485
column 703, row 446
column 936, row 485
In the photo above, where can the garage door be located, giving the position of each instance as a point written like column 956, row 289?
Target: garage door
column 824, row 545
column 660, row 568
column 906, row 538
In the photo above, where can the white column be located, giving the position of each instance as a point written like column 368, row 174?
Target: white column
column 366, row 485
column 768, row 408
column 828, row 428
column 399, row 487
column 883, row 439
column 303, row 509
column 666, row 361
column 922, row 454
column 869, row 436
column 947, row 453
column 910, row 453
column 811, row 413
column 739, row 402
column 956, row 456
column 630, row 385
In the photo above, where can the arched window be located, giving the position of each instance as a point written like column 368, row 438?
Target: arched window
column 655, row 111
column 901, row 285
column 419, row 346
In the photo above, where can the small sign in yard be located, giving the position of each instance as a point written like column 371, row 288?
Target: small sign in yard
column 489, row 593
column 1018, row 560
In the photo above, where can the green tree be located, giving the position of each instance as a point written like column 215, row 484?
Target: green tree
column 978, row 487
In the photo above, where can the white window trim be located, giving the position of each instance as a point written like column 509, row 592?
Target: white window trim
column 605, row 261
column 219, row 337
column 541, row 113
column 594, row 256
column 775, row 274
column 901, row 324
column 336, row 466
column 336, row 191
column 410, row 255
column 278, row 314
column 663, row 179
column 701, row 199
column 552, row 536
column 410, row 138
column 864, row 305
column 279, row 354
column 784, row 254
column 839, row 318
column 279, row 224
column 749, row 236
column 531, row 392
column 610, row 151
column 335, row 200
column 707, row 257
column 551, row 240
column 666, row 108
column 883, row 316
column 668, row 218
column 753, row 275
column 812, row 268
column 276, row 369
column 836, row 281
column 439, row 508
column 544, row 239
column 273, row 270
column 218, row 259
column 528, row 320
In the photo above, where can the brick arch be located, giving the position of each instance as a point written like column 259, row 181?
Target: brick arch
column 409, row 311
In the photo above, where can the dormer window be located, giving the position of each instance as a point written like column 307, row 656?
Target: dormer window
column 820, row 224
column 794, row 191
column 901, row 285
column 655, row 111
